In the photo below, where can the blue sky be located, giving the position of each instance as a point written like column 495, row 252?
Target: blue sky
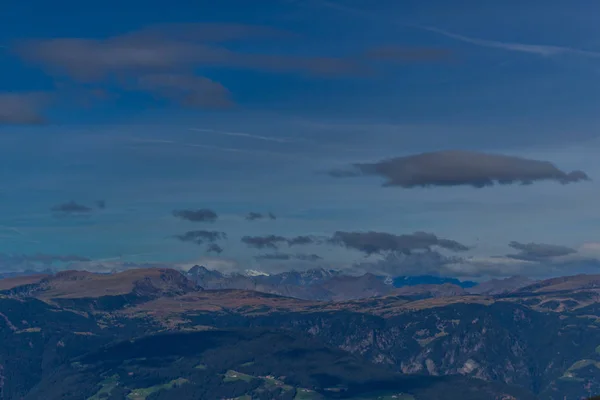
column 244, row 106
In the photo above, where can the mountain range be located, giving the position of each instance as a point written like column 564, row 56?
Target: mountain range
column 159, row 334
column 319, row 284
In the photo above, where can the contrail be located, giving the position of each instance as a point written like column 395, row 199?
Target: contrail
column 246, row 135
column 542, row 50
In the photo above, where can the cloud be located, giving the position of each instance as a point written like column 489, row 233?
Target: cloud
column 303, row 240
column 44, row 258
column 253, row 216
column 201, row 237
column 381, row 242
column 24, row 262
column 186, row 90
column 539, row 252
column 273, row 241
column 214, row 248
column 263, row 242
column 201, row 215
column 455, row 168
column 91, row 59
column 21, row 108
column 534, row 260
column 496, row 266
column 274, row 256
column 71, row 207
column 101, row 204
column 308, row 257
column 163, row 59
column 431, row 262
column 541, row 50
column 428, row 262
column 286, row 257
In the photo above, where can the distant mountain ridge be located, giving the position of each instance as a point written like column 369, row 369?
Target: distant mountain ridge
column 401, row 281
column 501, row 286
column 317, row 283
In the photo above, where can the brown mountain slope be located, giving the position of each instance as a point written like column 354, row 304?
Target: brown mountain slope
column 9, row 283
column 427, row 291
column 563, row 283
column 83, row 284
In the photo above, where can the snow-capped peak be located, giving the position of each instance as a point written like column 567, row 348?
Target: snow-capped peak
column 253, row 272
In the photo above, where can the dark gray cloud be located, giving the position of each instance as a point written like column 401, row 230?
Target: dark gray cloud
column 200, row 215
column 539, row 251
column 455, row 168
column 408, row 54
column 381, row 242
column 303, row 240
column 71, row 207
column 273, row 241
column 274, row 257
column 264, row 242
column 21, row 108
column 101, row 204
column 201, row 237
column 214, row 248
column 308, row 257
column 287, row 257
column 253, row 216
column 428, row 262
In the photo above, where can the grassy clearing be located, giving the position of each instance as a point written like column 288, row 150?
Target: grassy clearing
column 142, row 394
column 106, row 387
column 232, row 376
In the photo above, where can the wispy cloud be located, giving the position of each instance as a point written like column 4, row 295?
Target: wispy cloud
column 542, row 50
column 22, row 108
column 245, row 135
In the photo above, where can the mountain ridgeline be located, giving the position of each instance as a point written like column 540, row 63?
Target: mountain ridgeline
column 318, row 284
column 162, row 334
